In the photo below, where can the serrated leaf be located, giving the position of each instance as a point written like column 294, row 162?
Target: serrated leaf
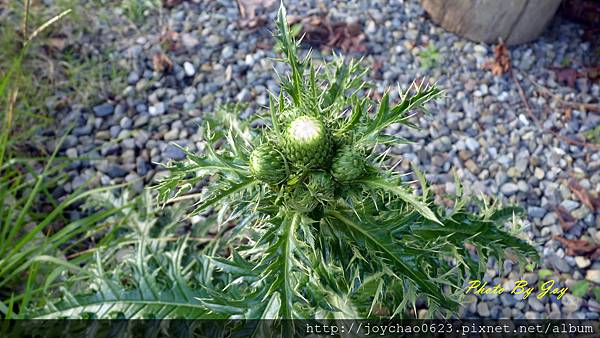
column 412, row 200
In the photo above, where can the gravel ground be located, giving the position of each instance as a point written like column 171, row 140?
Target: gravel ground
column 481, row 130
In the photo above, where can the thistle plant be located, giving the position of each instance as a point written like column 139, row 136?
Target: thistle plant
column 314, row 222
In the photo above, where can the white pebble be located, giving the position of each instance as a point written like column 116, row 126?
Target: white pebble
column 189, row 69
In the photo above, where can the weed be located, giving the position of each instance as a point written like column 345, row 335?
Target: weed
column 429, row 57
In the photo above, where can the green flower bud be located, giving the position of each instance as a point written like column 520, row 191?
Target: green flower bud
column 307, row 142
column 318, row 188
column 348, row 165
column 267, row 164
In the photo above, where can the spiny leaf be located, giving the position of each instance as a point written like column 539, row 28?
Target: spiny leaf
column 391, row 187
column 383, row 243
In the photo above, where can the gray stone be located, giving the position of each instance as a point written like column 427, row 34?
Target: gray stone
column 513, row 172
column 593, row 276
column 141, row 166
column 549, row 219
column 189, row 40
column 536, row 212
column 243, row 95
column 581, row 212
column 569, row 205
column 112, row 170
column 128, row 143
column 141, row 121
column 532, row 315
column 523, row 186
column 126, row 122
column 133, row 78
column 539, row 173
column 141, row 108
column 483, row 310
column 115, row 131
column 472, row 144
column 535, row 304
column 173, row 152
column 72, row 153
column 560, row 265
column 507, row 299
column 109, row 149
column 509, row 188
column 157, row 109
column 171, row 135
column 141, row 137
column 227, row 52
column 504, row 160
column 582, row 262
column 82, row 131
column 571, row 303
column 521, row 165
column 103, row 109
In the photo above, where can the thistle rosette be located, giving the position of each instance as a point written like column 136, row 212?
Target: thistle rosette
column 320, row 228
column 307, row 142
column 267, row 164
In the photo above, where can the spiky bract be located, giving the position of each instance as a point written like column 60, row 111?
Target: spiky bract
column 307, row 142
column 267, row 164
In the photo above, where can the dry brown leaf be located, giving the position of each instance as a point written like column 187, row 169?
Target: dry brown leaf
column 169, row 39
column 263, row 45
column 248, row 9
column 374, row 94
column 501, row 63
column 567, row 76
column 565, row 219
column 593, row 73
column 56, row 43
column 162, row 63
column 319, row 31
column 171, row 3
column 568, row 113
column 376, row 72
column 590, row 201
column 579, row 247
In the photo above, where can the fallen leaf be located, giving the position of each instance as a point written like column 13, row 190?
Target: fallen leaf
column 162, row 63
column 566, row 75
column 590, row 201
column 375, row 95
column 169, row 39
column 171, row 3
column 568, row 113
column 501, row 62
column 56, row 43
column 376, row 72
column 248, row 12
column 593, row 73
column 579, row 247
column 263, row 45
column 319, row 31
column 565, row 219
